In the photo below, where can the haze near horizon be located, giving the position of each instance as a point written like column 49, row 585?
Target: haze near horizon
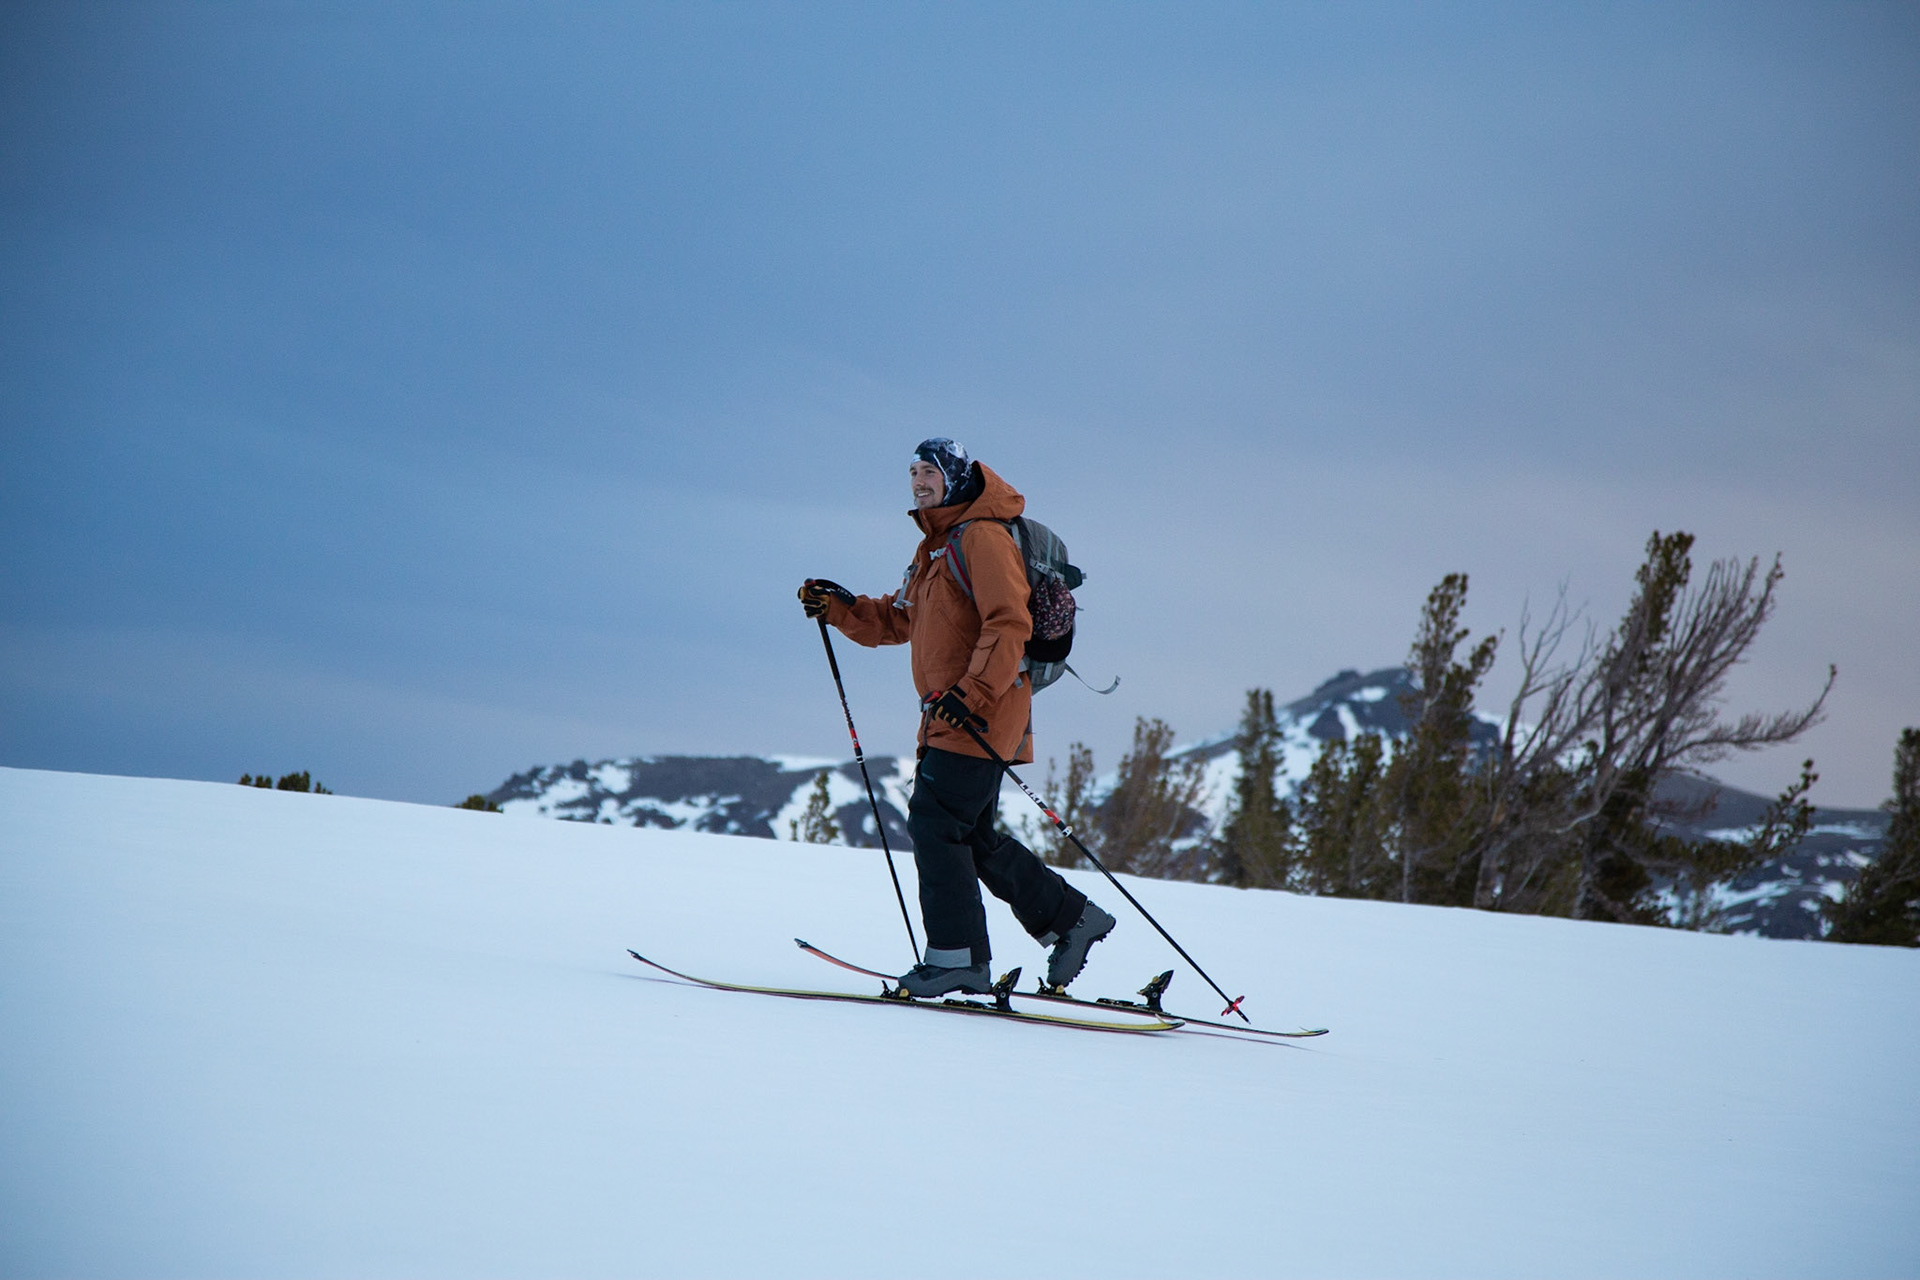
column 415, row 395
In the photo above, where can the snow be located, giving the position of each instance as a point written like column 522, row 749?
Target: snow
column 250, row 1032
column 1217, row 781
column 612, row 777
column 841, row 790
column 804, row 764
column 682, row 813
column 1850, row 830
column 895, row 787
column 566, row 790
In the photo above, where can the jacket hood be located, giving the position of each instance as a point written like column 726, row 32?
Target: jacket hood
column 998, row 500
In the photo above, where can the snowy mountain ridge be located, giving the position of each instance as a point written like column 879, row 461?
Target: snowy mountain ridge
column 756, row 796
column 719, row 795
column 1341, row 708
column 759, row 796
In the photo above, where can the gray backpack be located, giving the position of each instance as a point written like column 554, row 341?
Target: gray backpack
column 1051, row 579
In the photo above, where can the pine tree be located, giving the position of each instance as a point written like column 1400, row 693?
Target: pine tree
column 1883, row 905
column 1154, row 803
column 815, row 825
column 1428, row 780
column 1071, row 798
column 479, row 802
column 301, row 781
column 1343, row 815
column 1256, row 847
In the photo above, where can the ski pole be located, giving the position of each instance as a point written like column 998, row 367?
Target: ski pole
column 859, row 758
column 1233, row 1005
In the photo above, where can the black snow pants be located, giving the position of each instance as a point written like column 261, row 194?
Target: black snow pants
column 956, row 850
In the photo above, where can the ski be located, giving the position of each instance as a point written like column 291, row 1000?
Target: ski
column 1149, row 1023
column 812, row 950
column 1152, row 991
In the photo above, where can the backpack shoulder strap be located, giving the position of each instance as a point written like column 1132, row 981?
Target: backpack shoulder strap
column 957, row 560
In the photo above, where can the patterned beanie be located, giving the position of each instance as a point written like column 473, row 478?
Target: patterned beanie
column 950, row 456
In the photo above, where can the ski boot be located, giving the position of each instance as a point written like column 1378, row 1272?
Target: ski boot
column 1070, row 952
column 927, row 980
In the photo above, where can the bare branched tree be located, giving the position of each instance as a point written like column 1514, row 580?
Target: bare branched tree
column 1571, row 784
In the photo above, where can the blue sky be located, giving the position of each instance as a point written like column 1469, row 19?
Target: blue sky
column 418, row 393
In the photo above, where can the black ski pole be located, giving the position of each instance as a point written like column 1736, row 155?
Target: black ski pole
column 1233, row 1005
column 859, row 758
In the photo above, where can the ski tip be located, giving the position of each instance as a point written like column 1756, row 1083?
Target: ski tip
column 636, row 955
column 802, row 944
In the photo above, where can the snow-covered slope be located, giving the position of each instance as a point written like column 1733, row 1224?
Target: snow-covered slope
column 248, row 1032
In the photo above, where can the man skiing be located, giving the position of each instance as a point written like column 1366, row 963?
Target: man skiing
column 968, row 647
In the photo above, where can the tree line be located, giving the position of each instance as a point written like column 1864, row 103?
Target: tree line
column 1561, row 815
column 301, row 781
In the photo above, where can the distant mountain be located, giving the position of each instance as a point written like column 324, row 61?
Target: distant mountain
column 756, row 796
column 725, row 795
column 1343, row 707
column 1779, row 898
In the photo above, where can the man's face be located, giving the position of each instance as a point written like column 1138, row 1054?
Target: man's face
column 929, row 486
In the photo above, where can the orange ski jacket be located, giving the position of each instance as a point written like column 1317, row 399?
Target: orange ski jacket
column 976, row 644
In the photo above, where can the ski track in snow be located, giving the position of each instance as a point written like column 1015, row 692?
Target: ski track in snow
column 249, row 1032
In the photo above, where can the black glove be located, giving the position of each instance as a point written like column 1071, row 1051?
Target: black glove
column 951, row 706
column 815, row 592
